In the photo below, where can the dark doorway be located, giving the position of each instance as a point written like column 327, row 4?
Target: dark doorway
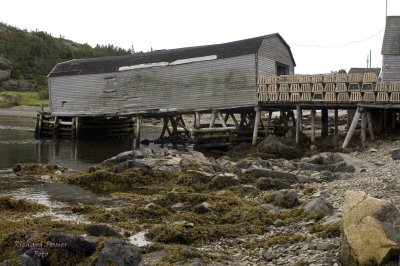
column 282, row 69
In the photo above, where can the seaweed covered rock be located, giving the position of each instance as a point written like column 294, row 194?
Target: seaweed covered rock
column 275, row 146
column 284, row 198
column 267, row 183
column 100, row 230
column 119, row 252
column 73, row 244
column 31, row 257
column 318, row 207
column 38, row 169
column 370, row 232
column 224, row 180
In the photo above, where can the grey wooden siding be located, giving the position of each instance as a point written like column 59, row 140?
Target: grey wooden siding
column 391, row 68
column 271, row 51
column 221, row 83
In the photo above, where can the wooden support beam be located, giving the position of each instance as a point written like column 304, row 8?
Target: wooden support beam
column 77, row 127
column 298, row 124
column 313, row 112
column 363, row 128
column 234, row 120
column 370, row 125
column 55, row 126
column 212, row 119
column 165, row 126
column 197, row 123
column 393, row 119
column 226, row 117
column 324, row 123
column 268, row 122
column 352, row 127
column 385, row 120
column 174, row 126
column 336, row 121
column 221, row 119
column 285, row 119
column 256, row 124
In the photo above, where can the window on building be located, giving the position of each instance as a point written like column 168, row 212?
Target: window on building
column 109, row 85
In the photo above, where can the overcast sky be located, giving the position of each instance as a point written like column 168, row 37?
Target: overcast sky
column 323, row 35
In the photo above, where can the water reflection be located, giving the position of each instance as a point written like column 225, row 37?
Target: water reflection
column 18, row 145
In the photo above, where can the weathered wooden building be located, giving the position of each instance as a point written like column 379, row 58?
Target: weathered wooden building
column 391, row 50
column 220, row 76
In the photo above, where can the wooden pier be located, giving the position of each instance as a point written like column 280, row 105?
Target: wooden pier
column 375, row 106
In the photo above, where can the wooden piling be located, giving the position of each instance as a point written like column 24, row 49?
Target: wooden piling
column 256, row 124
column 393, row 119
column 137, row 132
column 298, row 124
column 197, row 118
column 363, row 128
column 212, row 121
column 324, row 123
column 221, row 119
column 268, row 123
column 352, row 128
column 336, row 121
column 313, row 112
column 77, row 127
column 370, row 125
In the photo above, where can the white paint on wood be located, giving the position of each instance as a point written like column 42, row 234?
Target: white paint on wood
column 157, row 64
column 194, row 59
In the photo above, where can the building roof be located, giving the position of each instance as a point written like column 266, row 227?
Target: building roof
column 391, row 39
column 113, row 63
column 364, row 70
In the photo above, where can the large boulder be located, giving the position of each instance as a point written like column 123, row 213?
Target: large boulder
column 18, row 85
column 5, row 64
column 370, row 232
column 100, row 230
column 73, row 244
column 119, row 252
column 395, row 154
column 4, row 75
column 274, row 145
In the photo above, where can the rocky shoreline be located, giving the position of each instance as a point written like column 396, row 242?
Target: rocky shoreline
column 196, row 210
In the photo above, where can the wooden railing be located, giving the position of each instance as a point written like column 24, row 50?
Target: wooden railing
column 330, row 88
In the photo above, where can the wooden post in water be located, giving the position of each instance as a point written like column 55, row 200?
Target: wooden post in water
column 137, row 132
column 197, row 119
column 77, row 127
column 352, row 127
column 313, row 126
column 363, row 128
column 298, row 124
column 370, row 125
column 256, row 124
column 324, row 123
column 268, row 123
column 336, row 120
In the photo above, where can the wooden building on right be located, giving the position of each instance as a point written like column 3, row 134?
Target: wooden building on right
column 391, row 50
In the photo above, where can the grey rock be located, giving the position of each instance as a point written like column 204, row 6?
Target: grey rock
column 4, row 75
column 203, row 208
column 122, row 157
column 266, row 183
column 224, row 180
column 285, row 198
column 74, row 244
column 278, row 222
column 269, row 254
column 5, row 64
column 119, row 252
column 324, row 246
column 270, row 208
column 283, row 176
column 273, row 145
column 18, row 85
column 100, row 230
column 31, row 257
column 395, row 153
column 196, row 262
column 150, row 206
column 319, row 206
column 180, row 207
column 123, row 166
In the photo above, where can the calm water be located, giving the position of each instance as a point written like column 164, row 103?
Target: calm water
column 18, row 145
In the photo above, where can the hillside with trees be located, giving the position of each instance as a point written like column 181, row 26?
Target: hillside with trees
column 33, row 54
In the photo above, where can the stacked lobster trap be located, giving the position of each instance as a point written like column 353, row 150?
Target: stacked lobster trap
column 338, row 88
